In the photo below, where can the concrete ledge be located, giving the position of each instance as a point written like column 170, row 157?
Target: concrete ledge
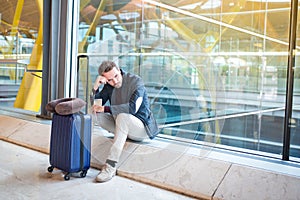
column 190, row 175
column 28, row 134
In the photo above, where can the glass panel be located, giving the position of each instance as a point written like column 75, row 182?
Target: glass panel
column 215, row 70
column 21, row 54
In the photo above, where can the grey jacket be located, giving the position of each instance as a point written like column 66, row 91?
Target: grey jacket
column 130, row 98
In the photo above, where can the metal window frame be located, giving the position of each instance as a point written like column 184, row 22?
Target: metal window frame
column 290, row 80
column 59, row 50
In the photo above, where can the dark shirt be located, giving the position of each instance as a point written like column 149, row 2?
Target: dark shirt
column 130, row 98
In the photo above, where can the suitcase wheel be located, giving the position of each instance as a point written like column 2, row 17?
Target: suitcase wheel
column 50, row 169
column 67, row 177
column 83, row 173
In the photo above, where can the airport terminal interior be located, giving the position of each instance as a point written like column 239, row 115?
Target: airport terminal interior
column 222, row 81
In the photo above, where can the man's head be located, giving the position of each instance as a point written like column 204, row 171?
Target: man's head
column 111, row 72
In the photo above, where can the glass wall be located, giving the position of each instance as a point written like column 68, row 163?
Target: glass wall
column 215, row 70
column 21, row 54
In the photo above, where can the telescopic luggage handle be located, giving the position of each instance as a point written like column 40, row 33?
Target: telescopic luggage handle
column 80, row 65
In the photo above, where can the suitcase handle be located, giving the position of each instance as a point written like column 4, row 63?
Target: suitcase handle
column 79, row 57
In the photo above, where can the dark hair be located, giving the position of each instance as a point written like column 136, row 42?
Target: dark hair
column 106, row 66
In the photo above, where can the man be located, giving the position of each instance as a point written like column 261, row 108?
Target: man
column 128, row 114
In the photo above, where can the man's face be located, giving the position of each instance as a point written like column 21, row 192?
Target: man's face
column 114, row 77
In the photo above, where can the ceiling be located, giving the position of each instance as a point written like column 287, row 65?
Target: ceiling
column 235, row 12
column 29, row 20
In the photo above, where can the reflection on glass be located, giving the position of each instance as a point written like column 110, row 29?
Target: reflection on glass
column 21, row 54
column 215, row 70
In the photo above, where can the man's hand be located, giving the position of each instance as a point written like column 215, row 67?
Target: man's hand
column 96, row 108
column 99, row 80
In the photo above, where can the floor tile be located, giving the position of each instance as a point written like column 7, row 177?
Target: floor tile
column 8, row 125
column 34, row 135
column 245, row 183
column 196, row 176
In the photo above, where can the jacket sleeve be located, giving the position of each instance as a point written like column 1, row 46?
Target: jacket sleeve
column 104, row 94
column 136, row 100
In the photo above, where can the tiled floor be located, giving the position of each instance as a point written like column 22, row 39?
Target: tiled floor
column 24, row 176
column 192, row 170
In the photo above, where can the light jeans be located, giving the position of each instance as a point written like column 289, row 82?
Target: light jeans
column 122, row 126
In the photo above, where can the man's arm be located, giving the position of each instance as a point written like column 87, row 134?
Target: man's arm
column 132, row 107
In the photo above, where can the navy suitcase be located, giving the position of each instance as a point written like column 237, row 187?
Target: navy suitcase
column 70, row 143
